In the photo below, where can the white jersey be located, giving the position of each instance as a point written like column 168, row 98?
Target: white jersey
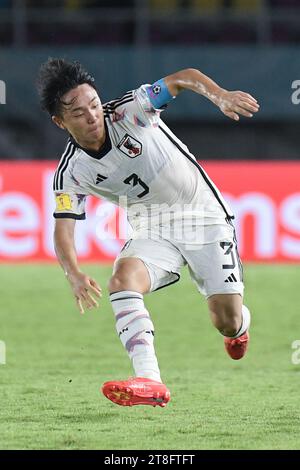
column 142, row 165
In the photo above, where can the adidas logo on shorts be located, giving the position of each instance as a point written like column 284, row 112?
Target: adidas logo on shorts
column 231, row 278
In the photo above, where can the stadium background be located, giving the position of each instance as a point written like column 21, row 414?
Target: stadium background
column 252, row 45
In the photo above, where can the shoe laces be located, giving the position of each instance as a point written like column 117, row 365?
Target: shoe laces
column 238, row 341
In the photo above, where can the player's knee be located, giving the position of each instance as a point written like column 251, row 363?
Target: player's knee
column 130, row 274
column 116, row 283
column 123, row 277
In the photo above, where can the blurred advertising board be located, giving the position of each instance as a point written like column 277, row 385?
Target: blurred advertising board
column 265, row 197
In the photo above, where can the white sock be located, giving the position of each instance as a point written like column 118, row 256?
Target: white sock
column 246, row 319
column 136, row 332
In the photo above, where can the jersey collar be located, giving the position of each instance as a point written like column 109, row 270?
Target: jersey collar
column 105, row 148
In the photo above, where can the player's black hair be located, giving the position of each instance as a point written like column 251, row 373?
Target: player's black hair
column 56, row 77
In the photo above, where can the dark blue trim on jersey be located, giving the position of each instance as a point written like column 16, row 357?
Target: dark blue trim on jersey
column 66, row 215
column 104, row 149
column 114, row 103
column 203, row 174
column 159, row 94
column 169, row 283
column 63, row 164
column 241, row 270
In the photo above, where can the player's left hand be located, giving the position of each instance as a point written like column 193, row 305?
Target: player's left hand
column 83, row 286
column 235, row 103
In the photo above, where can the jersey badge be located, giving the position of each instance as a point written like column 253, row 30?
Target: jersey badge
column 63, row 202
column 130, row 146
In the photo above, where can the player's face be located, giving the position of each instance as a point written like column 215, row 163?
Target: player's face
column 83, row 116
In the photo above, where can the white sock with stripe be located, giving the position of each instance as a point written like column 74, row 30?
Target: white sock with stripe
column 136, row 332
column 246, row 319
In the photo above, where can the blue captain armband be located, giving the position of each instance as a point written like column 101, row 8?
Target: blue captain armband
column 159, row 94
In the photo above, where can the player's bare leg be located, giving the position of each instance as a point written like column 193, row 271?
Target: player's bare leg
column 129, row 274
column 130, row 280
column 226, row 312
column 232, row 319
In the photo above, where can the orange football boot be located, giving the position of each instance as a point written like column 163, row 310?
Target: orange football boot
column 237, row 347
column 136, row 391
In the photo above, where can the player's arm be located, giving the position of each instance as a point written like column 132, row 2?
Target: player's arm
column 231, row 103
column 82, row 285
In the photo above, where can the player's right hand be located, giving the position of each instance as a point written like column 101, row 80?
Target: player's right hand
column 236, row 103
column 83, row 286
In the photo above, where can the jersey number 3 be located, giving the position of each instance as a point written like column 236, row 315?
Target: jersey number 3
column 135, row 180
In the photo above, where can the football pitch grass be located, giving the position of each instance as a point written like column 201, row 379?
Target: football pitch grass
column 57, row 359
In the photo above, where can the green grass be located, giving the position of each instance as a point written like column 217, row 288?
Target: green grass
column 57, row 360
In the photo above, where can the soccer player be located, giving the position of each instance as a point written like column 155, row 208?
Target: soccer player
column 123, row 151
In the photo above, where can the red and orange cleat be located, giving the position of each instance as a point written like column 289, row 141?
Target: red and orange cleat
column 136, row 391
column 237, row 347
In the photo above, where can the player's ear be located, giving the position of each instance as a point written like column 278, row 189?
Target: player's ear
column 58, row 121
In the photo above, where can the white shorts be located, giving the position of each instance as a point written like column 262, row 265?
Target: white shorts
column 214, row 267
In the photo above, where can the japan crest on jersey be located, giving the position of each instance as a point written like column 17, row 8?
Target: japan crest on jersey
column 130, row 146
